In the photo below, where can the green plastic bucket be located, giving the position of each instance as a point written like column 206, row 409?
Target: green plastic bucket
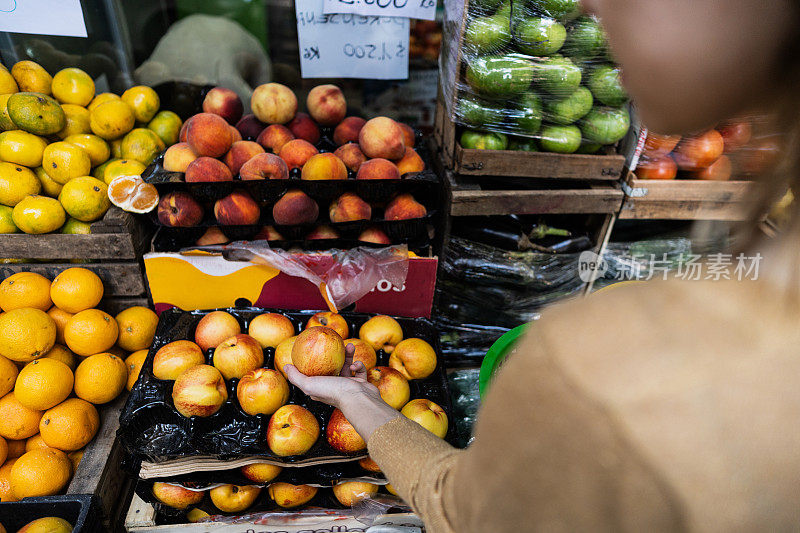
column 496, row 355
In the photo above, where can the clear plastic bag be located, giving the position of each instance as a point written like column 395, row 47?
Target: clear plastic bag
column 532, row 75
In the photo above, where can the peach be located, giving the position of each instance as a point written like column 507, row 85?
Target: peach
column 270, row 329
column 382, row 332
column 289, row 496
column 292, row 430
column 238, row 355
column 410, row 162
column 250, row 127
column 382, row 137
column 176, row 496
column 363, row 352
column 392, row 385
column 262, row 391
column 209, row 135
column 341, row 434
column 335, row 321
column 368, row 464
column 184, row 129
column 264, row 166
column 351, row 492
column 297, row 152
column 414, row 358
column 213, row 235
column 214, row 328
column 404, row 207
column 375, row 236
column 268, row 233
column 428, row 415
column 225, row 103
column 283, row 354
column 179, row 210
column 274, row 136
column 349, row 207
column 347, row 130
column 322, row 232
column 234, row 498
column 302, row 127
column 199, row 391
column 237, row 209
column 409, row 137
column 351, row 155
column 235, row 135
column 261, row 472
column 295, row 207
column 273, row 103
column 177, row 157
column 324, row 167
column 326, row 104
column 205, row 169
column 240, row 153
column 318, row 351
column 378, row 169
column 172, row 359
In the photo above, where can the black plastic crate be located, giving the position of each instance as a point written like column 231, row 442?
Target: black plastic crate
column 79, row 510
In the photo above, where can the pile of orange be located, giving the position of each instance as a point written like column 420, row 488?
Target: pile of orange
column 60, row 357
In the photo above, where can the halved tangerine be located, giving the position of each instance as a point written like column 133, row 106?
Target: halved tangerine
column 132, row 194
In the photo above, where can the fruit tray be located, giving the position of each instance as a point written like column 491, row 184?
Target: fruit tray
column 151, row 429
column 78, row 510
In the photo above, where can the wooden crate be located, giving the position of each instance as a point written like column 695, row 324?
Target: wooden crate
column 687, row 199
column 100, row 474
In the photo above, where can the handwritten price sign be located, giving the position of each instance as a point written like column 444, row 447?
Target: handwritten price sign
column 350, row 46
column 415, row 9
column 43, row 17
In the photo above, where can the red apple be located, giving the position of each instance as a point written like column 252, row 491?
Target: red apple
column 238, row 355
column 351, row 492
column 214, row 328
column 414, row 358
column 292, row 430
column 318, row 351
column 382, row 332
column 342, row 436
column 234, row 498
column 392, row 385
column 176, row 496
column 262, row 391
column 270, row 329
column 289, row 496
column 199, row 391
column 428, row 415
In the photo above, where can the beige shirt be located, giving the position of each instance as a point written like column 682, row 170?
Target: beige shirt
column 659, row 406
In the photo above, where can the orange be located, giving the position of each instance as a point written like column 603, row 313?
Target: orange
column 97, row 149
column 73, row 86
column 7, row 83
column 3, row 450
column 76, row 289
column 111, row 119
column 100, row 378
column 101, row 98
column 43, row 383
column 32, row 77
column 122, row 167
column 17, row 422
column 62, row 354
column 60, row 317
column 134, row 364
column 48, row 524
column 26, row 334
column 137, row 327
column 99, row 171
column 142, row 145
column 90, row 332
column 8, row 376
column 40, row 472
column 70, row 425
column 75, row 457
column 15, row 448
column 36, row 215
column 143, row 100
column 63, row 161
column 132, row 194
column 36, row 442
column 22, row 148
column 5, row 482
column 116, row 148
column 49, row 187
column 25, row 289
column 76, row 121
column 16, row 182
column 167, row 126
column 85, row 198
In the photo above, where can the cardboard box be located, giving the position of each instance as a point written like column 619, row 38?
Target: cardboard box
column 209, row 281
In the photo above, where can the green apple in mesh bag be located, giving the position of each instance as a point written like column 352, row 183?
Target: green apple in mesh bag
column 499, row 76
column 564, row 10
column 484, row 6
column 481, row 140
column 557, row 75
column 606, row 87
column 527, row 113
column 570, row 108
column 476, row 113
column 585, row 38
column 522, row 144
column 560, row 139
column 605, row 125
column 539, row 36
column 487, row 34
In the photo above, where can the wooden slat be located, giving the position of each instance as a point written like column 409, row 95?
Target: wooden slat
column 119, row 279
column 113, row 306
column 529, row 202
column 688, row 200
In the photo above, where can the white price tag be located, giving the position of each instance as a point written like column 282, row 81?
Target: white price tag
column 414, row 9
column 43, row 17
column 350, row 46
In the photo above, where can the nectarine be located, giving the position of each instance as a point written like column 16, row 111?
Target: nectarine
column 273, row 103
column 318, row 351
column 172, row 359
column 326, row 104
column 414, row 358
column 236, row 356
column 382, row 137
column 214, row 328
column 199, row 391
column 292, row 430
column 335, row 321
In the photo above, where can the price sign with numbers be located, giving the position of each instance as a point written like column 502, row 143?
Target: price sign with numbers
column 350, row 46
column 415, row 9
